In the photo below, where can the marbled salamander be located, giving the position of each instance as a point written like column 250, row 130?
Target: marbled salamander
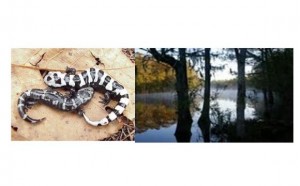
column 96, row 79
column 53, row 98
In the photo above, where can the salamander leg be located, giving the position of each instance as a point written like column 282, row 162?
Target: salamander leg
column 30, row 103
column 71, row 71
column 106, row 99
column 72, row 92
column 80, row 111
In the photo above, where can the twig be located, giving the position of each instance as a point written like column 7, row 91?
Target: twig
column 51, row 69
column 126, row 133
column 56, row 55
column 97, row 59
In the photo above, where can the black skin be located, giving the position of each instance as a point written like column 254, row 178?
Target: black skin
column 71, row 71
column 108, row 96
column 69, row 102
column 96, row 79
column 71, row 91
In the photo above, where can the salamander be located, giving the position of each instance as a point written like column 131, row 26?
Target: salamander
column 97, row 79
column 70, row 102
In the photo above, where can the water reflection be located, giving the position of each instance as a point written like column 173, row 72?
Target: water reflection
column 230, row 105
column 156, row 119
column 154, row 116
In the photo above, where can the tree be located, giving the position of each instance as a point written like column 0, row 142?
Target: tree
column 262, row 73
column 240, row 54
column 204, row 120
column 183, row 130
column 273, row 74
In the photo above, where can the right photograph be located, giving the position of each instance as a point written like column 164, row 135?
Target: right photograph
column 214, row 95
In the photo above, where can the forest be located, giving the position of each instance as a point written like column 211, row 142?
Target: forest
column 214, row 95
column 159, row 77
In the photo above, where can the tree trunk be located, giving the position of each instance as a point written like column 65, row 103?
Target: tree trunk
column 204, row 120
column 270, row 93
column 183, row 130
column 240, row 108
column 265, row 84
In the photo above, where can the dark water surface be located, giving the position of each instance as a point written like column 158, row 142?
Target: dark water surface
column 156, row 119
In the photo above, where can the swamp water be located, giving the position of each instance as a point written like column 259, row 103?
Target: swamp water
column 156, row 119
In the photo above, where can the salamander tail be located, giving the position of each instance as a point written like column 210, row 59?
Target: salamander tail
column 118, row 110
column 22, row 105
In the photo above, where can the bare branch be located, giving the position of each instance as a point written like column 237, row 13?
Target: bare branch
column 163, row 57
column 253, row 56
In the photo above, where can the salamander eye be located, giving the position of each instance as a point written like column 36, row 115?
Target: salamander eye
column 49, row 78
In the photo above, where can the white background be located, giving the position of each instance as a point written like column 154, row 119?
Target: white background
column 155, row 23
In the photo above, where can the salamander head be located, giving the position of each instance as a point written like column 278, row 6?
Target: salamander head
column 85, row 94
column 53, row 79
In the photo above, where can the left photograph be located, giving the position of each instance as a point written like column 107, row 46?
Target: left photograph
column 72, row 94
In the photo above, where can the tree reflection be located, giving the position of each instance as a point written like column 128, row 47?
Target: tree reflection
column 154, row 116
column 157, row 115
column 183, row 130
column 267, row 72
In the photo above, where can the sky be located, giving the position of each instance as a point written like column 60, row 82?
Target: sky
column 225, row 74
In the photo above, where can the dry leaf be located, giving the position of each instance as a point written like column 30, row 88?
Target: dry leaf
column 61, row 125
column 126, row 133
